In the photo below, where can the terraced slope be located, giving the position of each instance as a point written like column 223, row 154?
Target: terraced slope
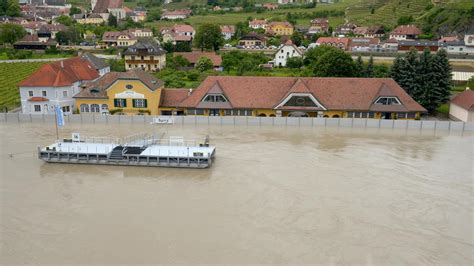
column 12, row 74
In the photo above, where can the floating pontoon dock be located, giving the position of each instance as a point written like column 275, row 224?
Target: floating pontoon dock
column 138, row 150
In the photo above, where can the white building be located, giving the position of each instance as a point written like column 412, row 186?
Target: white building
column 461, row 107
column 55, row 84
column 286, row 51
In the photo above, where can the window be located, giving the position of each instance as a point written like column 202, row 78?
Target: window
column 84, row 108
column 120, row 102
column 105, row 107
column 66, row 109
column 387, row 100
column 411, row 115
column 139, row 103
column 243, row 112
column 129, row 86
column 65, row 94
column 95, row 108
column 228, row 112
column 30, row 93
column 195, row 111
column 215, row 98
column 37, row 108
column 371, row 114
column 133, row 57
column 43, row 93
column 301, row 101
column 151, row 57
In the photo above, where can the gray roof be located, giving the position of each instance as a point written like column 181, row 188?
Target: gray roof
column 418, row 43
column 145, row 47
column 98, row 63
column 470, row 31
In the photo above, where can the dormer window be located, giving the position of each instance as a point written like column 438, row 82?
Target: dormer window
column 387, row 100
column 214, row 98
column 94, row 90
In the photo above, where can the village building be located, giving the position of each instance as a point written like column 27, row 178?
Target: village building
column 132, row 93
column 345, row 29
column 281, row 28
column 318, row 25
column 461, row 107
column 370, row 32
column 258, row 24
column 379, row 98
column 34, row 42
column 177, row 14
column 342, row 43
column 141, row 33
column 118, row 39
column 178, row 33
column 193, row 58
column 227, row 31
column 99, row 64
column 95, row 19
column 364, row 44
column 288, row 50
column 405, row 32
column 270, row 6
column 420, row 45
column 137, row 15
column 390, row 45
column 54, row 84
column 106, row 7
column 252, row 40
column 146, row 55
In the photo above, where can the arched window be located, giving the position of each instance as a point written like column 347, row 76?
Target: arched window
column 84, row 108
column 95, row 108
column 262, row 115
column 335, row 116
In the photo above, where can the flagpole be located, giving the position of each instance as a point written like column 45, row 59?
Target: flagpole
column 56, row 123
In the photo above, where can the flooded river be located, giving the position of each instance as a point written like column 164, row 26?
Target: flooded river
column 274, row 195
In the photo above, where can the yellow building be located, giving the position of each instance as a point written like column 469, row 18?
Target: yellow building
column 280, row 28
column 378, row 98
column 91, row 19
column 133, row 92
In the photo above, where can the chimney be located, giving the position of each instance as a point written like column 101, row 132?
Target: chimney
column 190, row 91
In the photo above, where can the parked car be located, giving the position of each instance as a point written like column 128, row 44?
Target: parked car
column 227, row 46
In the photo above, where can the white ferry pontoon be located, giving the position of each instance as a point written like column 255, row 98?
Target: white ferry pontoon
column 136, row 150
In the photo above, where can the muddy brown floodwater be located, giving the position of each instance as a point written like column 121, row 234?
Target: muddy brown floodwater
column 274, row 195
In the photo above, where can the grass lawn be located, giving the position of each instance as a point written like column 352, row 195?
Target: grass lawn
column 12, row 74
column 3, row 56
column 443, row 109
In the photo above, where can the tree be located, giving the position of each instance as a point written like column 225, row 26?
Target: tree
column 312, row 55
column 334, row 63
column 65, row 20
column 69, row 36
column 183, row 47
column 426, row 77
column 241, row 29
column 204, row 64
column 13, row 8
column 168, row 46
column 208, row 36
column 294, row 62
column 297, row 38
column 176, row 62
column 405, row 20
column 112, row 21
column 10, row 33
column 74, row 10
column 359, row 67
column 369, row 70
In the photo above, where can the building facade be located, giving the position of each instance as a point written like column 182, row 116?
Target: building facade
column 129, row 93
column 378, row 98
column 405, row 32
column 54, row 84
column 288, row 50
column 461, row 107
column 146, row 55
column 280, row 28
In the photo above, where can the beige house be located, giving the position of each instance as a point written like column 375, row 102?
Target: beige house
column 462, row 106
column 146, row 55
column 91, row 19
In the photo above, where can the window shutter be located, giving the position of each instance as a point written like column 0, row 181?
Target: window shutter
column 134, row 103
column 145, row 104
column 124, row 101
column 115, row 102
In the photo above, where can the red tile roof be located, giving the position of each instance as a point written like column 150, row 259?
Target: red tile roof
column 183, row 28
column 193, row 57
column 103, row 5
column 170, row 97
column 61, row 73
column 334, row 41
column 332, row 93
column 465, row 100
column 228, row 29
column 406, row 30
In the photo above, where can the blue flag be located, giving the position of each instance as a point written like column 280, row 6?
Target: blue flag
column 59, row 116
